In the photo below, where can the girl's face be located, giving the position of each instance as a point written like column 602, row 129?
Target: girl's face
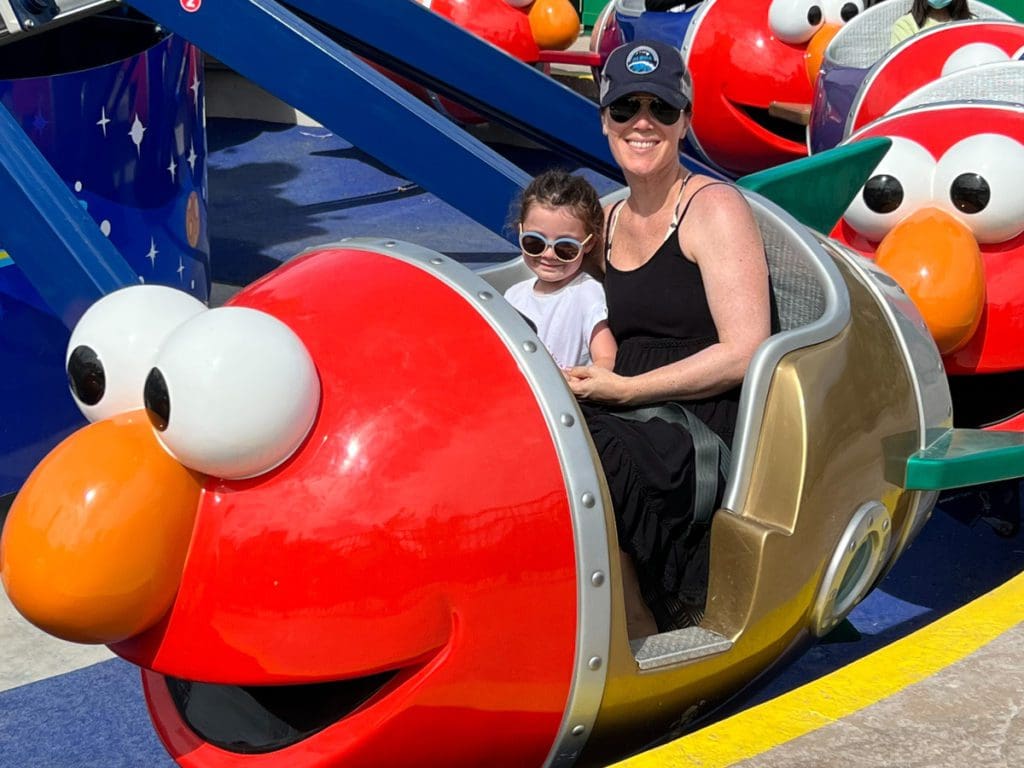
column 552, row 223
column 642, row 145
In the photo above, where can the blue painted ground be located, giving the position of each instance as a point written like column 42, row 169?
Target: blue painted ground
column 275, row 191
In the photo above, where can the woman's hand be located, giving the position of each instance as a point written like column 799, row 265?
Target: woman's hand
column 599, row 385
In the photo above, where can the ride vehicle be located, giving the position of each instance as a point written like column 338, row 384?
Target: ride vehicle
column 327, row 539
column 861, row 78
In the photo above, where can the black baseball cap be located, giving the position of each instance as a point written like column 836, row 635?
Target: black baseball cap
column 646, row 66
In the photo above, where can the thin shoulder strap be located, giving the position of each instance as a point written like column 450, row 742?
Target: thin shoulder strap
column 676, row 218
column 609, row 230
column 697, row 192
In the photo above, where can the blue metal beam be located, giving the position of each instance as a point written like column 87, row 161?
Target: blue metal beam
column 426, row 48
column 52, row 239
column 288, row 57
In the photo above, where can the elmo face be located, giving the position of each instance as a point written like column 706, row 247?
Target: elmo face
column 943, row 214
column 328, row 520
column 754, row 65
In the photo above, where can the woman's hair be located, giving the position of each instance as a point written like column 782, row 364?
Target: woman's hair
column 560, row 189
column 958, row 11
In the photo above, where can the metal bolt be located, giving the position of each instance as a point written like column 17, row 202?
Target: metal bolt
column 485, row 295
column 390, row 244
column 567, row 420
column 529, row 346
column 594, row 663
column 437, row 260
column 588, row 500
column 577, row 730
column 597, row 578
column 29, row 23
column 885, row 524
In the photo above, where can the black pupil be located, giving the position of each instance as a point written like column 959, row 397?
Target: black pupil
column 814, row 15
column 157, row 400
column 970, row 192
column 849, row 11
column 883, row 193
column 86, row 376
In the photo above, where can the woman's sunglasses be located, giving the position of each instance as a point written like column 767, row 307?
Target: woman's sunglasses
column 565, row 248
column 625, row 109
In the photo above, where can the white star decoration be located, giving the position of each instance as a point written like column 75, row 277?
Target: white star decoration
column 173, row 167
column 195, row 91
column 152, row 252
column 102, row 122
column 136, row 133
column 192, row 157
column 181, row 270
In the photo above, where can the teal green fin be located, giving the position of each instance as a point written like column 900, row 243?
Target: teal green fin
column 1012, row 8
column 962, row 457
column 817, row 190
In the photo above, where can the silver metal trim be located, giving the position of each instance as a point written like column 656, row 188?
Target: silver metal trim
column 11, row 25
column 583, row 481
column 766, row 358
column 67, row 12
column 936, row 107
column 924, row 366
column 872, row 524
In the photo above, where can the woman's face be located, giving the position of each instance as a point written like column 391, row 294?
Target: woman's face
column 643, row 145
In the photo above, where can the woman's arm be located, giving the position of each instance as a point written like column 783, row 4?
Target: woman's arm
column 728, row 249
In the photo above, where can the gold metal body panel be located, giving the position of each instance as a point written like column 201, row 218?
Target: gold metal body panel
column 819, row 457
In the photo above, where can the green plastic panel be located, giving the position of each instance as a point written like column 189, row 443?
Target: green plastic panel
column 817, row 190
column 1014, row 8
column 966, row 457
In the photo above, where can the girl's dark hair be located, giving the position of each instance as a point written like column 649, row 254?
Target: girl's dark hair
column 958, row 11
column 557, row 189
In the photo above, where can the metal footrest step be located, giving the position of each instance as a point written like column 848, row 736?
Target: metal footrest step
column 676, row 646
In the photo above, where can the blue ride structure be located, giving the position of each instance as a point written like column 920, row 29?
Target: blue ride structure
column 113, row 105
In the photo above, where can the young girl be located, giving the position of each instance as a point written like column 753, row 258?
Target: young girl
column 925, row 14
column 560, row 222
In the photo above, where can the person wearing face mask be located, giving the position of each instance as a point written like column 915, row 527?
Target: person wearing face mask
column 925, row 14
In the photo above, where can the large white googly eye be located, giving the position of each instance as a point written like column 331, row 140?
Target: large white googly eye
column 841, row 11
column 978, row 181
column 232, row 393
column 795, row 21
column 973, row 55
column 900, row 184
column 115, row 342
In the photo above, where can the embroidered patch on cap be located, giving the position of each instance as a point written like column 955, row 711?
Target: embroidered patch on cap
column 642, row 60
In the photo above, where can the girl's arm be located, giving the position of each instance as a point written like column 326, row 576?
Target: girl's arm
column 603, row 346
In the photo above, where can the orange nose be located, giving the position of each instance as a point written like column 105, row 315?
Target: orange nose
column 95, row 542
column 816, row 50
column 554, row 23
column 937, row 261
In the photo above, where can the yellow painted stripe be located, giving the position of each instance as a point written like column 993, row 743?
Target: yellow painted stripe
column 847, row 690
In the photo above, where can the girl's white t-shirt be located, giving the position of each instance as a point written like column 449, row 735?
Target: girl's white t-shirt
column 565, row 319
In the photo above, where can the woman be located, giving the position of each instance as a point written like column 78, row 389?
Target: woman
column 925, row 14
column 687, row 292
